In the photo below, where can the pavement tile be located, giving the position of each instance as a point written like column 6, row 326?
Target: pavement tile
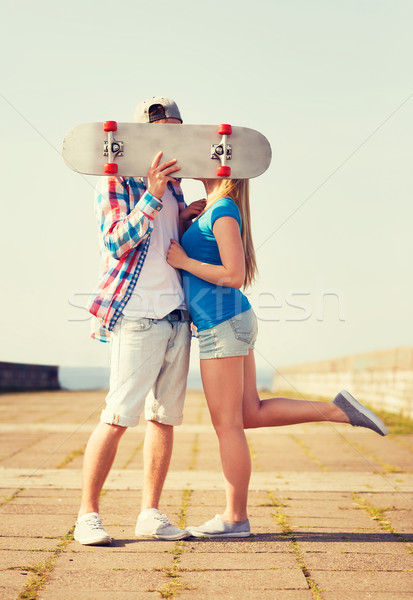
column 28, row 543
column 357, row 561
column 12, row 582
column 364, row 581
column 45, row 525
column 41, row 496
column 401, row 521
column 54, row 593
column 386, row 544
column 260, row 543
column 375, row 595
column 240, row 560
column 18, row 559
column 116, row 580
column 397, row 500
column 124, row 545
column 102, row 560
column 254, row 594
column 387, row 451
column 242, row 580
column 57, row 508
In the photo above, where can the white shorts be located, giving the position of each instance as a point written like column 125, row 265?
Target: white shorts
column 149, row 369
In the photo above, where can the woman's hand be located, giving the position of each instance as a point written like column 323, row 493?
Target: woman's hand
column 193, row 210
column 159, row 175
column 176, row 255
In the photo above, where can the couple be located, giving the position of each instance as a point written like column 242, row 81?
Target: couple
column 141, row 306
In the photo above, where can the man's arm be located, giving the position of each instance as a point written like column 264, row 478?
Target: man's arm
column 123, row 229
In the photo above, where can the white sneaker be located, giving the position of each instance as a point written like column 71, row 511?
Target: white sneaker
column 151, row 523
column 89, row 531
column 217, row 527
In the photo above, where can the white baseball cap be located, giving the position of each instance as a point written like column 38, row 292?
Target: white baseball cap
column 156, row 108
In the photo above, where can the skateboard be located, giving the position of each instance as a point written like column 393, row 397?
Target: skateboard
column 202, row 151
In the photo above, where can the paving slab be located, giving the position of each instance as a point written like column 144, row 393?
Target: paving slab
column 358, row 561
column 53, row 593
column 243, row 580
column 127, row 580
column 212, row 561
column 360, row 582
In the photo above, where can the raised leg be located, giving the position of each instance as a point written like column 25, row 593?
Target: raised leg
column 282, row 411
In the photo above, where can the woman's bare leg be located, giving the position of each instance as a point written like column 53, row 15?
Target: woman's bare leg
column 223, row 384
column 282, row 411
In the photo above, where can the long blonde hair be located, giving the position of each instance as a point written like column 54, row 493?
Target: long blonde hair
column 238, row 191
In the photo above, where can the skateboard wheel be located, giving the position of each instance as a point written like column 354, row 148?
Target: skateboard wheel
column 223, row 171
column 110, row 126
column 111, row 168
column 225, row 129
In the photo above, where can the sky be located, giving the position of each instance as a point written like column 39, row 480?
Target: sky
column 329, row 84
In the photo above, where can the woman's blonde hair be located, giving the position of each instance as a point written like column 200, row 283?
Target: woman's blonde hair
column 238, row 191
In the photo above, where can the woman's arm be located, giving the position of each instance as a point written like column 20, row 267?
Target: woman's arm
column 232, row 271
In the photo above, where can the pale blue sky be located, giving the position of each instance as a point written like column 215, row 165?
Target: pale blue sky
column 328, row 83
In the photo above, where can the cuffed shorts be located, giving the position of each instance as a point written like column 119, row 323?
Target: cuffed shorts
column 149, row 369
column 234, row 337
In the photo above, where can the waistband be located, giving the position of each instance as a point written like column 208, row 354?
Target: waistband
column 178, row 314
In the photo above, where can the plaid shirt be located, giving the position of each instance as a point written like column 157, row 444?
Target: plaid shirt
column 125, row 211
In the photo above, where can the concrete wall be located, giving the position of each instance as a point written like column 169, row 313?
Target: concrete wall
column 383, row 379
column 16, row 377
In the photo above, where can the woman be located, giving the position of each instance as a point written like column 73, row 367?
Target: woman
column 217, row 258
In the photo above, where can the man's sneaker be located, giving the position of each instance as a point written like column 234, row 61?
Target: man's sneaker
column 217, row 527
column 359, row 415
column 151, row 523
column 89, row 531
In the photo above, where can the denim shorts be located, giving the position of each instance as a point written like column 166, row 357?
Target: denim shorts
column 148, row 371
column 234, row 337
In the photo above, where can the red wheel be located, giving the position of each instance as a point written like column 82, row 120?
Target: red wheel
column 110, row 126
column 225, row 129
column 111, row 168
column 223, row 171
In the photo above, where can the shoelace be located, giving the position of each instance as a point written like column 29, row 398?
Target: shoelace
column 95, row 522
column 214, row 520
column 163, row 518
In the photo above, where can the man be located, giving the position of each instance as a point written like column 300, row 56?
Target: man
column 139, row 304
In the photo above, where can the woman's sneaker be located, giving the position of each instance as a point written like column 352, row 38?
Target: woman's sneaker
column 359, row 415
column 217, row 527
column 152, row 524
column 89, row 531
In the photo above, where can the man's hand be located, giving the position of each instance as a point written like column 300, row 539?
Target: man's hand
column 193, row 210
column 159, row 175
column 176, row 255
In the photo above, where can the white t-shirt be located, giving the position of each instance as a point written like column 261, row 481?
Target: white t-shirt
column 158, row 290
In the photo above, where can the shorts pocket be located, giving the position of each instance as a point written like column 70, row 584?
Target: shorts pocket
column 136, row 325
column 244, row 327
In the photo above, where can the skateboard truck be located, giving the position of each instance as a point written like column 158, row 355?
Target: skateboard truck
column 111, row 148
column 223, row 151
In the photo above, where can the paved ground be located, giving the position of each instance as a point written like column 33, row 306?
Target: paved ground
column 331, row 509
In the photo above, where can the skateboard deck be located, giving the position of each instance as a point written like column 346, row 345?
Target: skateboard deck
column 202, row 151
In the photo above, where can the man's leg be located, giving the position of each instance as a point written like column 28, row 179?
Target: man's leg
column 99, row 456
column 163, row 410
column 157, row 453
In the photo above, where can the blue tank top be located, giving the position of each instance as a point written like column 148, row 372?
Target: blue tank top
column 210, row 304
